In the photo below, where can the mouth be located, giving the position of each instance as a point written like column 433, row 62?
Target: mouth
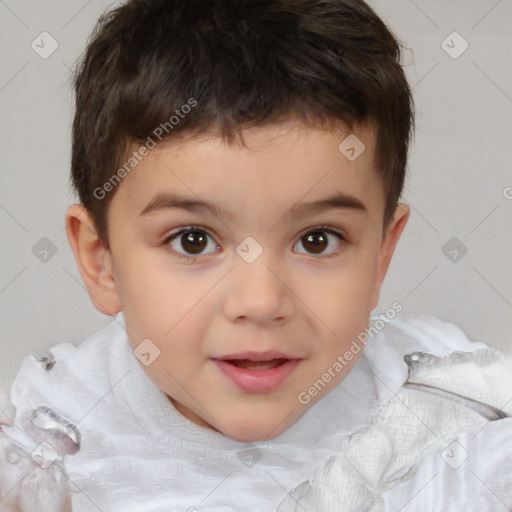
column 257, row 372
column 249, row 364
column 268, row 355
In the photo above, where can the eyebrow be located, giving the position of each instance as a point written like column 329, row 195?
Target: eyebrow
column 170, row 200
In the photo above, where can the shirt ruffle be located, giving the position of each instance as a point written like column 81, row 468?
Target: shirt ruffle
column 441, row 398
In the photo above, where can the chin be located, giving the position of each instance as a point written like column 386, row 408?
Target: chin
column 252, row 433
column 250, row 436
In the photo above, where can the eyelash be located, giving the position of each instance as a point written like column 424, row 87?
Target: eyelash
column 192, row 259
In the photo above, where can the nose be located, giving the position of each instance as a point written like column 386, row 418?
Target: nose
column 258, row 293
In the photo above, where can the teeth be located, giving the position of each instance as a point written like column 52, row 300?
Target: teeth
column 257, row 365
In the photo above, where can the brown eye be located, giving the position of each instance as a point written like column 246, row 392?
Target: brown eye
column 190, row 241
column 193, row 241
column 316, row 241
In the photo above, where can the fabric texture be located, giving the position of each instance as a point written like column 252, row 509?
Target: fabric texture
column 423, row 421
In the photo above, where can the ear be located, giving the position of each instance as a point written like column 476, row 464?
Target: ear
column 387, row 248
column 93, row 259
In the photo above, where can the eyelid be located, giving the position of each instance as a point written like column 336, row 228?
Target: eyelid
column 330, row 229
column 189, row 227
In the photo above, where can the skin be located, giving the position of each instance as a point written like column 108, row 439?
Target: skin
column 292, row 298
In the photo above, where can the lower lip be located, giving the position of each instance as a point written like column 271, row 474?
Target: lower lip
column 257, row 381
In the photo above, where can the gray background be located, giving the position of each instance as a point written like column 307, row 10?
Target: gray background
column 459, row 184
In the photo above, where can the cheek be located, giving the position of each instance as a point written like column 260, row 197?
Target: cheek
column 163, row 303
column 344, row 292
column 146, row 294
column 341, row 304
column 144, row 282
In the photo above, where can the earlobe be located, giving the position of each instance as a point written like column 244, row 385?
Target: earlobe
column 93, row 260
column 388, row 245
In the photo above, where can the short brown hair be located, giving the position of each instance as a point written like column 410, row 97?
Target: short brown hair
column 234, row 64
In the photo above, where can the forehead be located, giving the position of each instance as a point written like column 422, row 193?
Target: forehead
column 279, row 166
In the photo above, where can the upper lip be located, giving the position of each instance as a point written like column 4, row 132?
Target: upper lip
column 257, row 356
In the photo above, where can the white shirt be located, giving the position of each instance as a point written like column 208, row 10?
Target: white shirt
column 139, row 454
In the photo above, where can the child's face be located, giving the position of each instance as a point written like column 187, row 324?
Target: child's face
column 307, row 296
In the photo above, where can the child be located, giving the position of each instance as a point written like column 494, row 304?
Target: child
column 252, row 373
